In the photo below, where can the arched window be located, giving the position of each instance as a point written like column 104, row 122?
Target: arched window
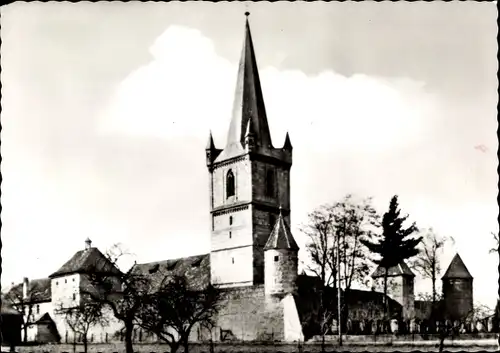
column 230, row 220
column 270, row 183
column 230, row 183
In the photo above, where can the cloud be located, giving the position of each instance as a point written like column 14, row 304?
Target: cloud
column 375, row 136
column 187, row 89
column 139, row 177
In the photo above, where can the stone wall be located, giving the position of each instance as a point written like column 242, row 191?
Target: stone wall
column 458, row 298
column 280, row 271
column 246, row 315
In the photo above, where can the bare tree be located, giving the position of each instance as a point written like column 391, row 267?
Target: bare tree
column 336, row 252
column 24, row 300
column 121, row 292
column 81, row 318
column 321, row 244
column 427, row 261
column 172, row 311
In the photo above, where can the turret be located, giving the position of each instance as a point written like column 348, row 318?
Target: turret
column 457, row 290
column 400, row 286
column 250, row 137
column 287, row 146
column 210, row 151
column 280, row 260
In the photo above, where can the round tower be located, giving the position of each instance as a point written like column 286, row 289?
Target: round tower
column 280, row 260
column 457, row 290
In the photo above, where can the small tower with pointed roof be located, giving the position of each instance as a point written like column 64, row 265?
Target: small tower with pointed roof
column 280, row 260
column 457, row 290
column 249, row 179
column 400, row 287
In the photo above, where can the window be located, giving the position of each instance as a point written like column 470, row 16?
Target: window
column 65, row 281
column 276, row 258
column 38, row 309
column 171, row 265
column 230, row 235
column 57, row 283
column 230, row 184
column 154, row 268
column 74, row 296
column 270, row 183
column 73, row 279
column 230, row 220
column 232, row 259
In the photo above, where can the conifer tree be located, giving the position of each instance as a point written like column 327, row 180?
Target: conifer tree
column 395, row 244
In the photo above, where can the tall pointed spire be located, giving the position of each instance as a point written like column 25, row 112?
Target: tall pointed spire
column 248, row 101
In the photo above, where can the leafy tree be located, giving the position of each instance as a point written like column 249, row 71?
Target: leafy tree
column 395, row 244
column 82, row 317
column 172, row 311
column 427, row 261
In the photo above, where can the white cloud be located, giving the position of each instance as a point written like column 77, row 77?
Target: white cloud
column 187, row 90
column 372, row 129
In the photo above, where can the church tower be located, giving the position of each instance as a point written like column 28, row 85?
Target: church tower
column 249, row 180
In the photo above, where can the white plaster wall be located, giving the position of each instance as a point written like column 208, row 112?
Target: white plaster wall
column 65, row 290
column 232, row 267
column 280, row 276
column 293, row 327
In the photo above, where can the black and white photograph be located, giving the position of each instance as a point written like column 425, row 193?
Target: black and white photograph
column 202, row 177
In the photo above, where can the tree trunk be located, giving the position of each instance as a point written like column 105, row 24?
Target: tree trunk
column 85, row 343
column 25, row 329
column 129, row 328
column 185, row 344
column 386, row 304
column 174, row 346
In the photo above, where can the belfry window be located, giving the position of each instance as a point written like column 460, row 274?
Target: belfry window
column 270, row 183
column 230, row 183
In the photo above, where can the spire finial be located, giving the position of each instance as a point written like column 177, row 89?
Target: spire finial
column 280, row 209
column 247, row 14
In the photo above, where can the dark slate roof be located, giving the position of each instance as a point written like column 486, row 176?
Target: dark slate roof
column 400, row 270
column 248, row 105
column 281, row 237
column 7, row 309
column 40, row 291
column 457, row 269
column 196, row 269
column 86, row 261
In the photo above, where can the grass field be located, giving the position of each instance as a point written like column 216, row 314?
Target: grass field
column 488, row 345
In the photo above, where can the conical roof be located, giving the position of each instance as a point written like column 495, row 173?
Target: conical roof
column 281, row 237
column 248, row 104
column 457, row 269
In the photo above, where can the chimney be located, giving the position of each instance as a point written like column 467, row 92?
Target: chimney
column 88, row 244
column 26, row 289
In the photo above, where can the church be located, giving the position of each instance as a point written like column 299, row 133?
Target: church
column 253, row 255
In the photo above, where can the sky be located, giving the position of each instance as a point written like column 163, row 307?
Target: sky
column 106, row 110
